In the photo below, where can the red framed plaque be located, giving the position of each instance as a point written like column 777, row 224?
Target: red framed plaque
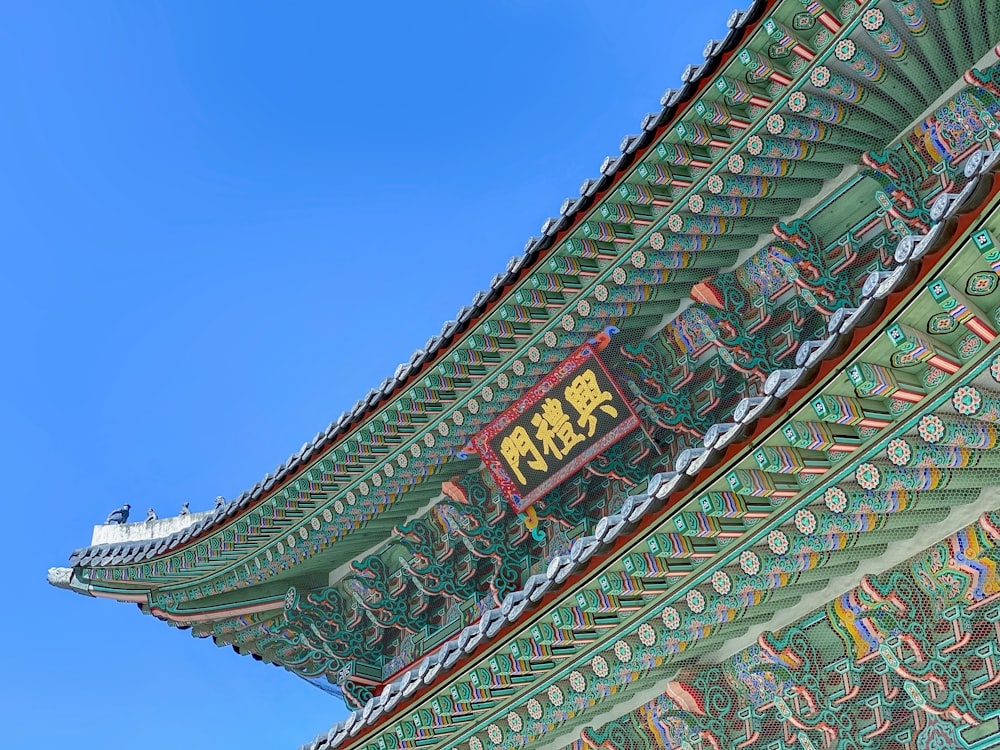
column 566, row 420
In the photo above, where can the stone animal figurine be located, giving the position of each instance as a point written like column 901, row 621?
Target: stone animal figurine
column 119, row 515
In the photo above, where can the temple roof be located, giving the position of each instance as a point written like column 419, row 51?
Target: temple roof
column 796, row 177
column 572, row 211
column 449, row 367
column 784, row 390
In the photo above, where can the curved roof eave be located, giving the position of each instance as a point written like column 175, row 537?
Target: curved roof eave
column 572, row 211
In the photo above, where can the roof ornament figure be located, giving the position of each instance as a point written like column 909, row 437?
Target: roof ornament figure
column 119, row 515
column 150, row 514
column 185, row 510
column 220, row 502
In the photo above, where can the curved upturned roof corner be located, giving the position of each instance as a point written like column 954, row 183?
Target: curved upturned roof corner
column 572, row 210
column 767, row 461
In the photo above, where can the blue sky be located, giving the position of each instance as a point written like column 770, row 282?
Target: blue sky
column 219, row 227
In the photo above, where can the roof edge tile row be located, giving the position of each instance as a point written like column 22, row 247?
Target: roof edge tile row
column 981, row 169
column 571, row 212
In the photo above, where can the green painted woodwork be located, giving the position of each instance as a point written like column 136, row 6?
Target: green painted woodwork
column 866, row 672
column 390, row 421
column 796, row 546
column 711, row 216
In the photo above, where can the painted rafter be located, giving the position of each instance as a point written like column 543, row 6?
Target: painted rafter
column 864, row 672
column 790, row 233
column 437, row 396
column 582, row 291
column 778, row 545
column 890, row 503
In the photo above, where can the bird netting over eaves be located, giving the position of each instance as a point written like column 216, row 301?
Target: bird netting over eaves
column 465, row 554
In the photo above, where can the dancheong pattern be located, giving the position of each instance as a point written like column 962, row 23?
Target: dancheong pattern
column 908, row 659
column 742, row 326
column 792, row 277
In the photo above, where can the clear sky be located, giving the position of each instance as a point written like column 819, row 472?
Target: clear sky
column 220, row 226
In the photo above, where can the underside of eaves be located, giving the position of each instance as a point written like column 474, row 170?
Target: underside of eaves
column 792, row 277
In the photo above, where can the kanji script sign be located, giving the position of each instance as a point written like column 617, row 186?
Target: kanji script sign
column 567, row 419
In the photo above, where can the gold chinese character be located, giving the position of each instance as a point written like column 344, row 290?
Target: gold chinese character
column 586, row 396
column 517, row 444
column 553, row 424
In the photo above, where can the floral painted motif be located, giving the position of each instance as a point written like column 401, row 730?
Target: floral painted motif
column 555, row 695
column 933, row 377
column 967, row 400
column 647, row 635
column 534, row 707
column 722, row 583
column 981, row 284
column 969, row 345
column 931, row 428
column 868, row 476
column 671, row 618
column 495, row 734
column 897, row 406
column 820, row 76
column 899, row 452
column 835, row 499
column 859, row 59
column 848, row 10
column 750, row 562
column 599, row 665
column 803, row 22
column 777, row 541
column 696, row 601
column 941, row 323
column 805, row 521
column 515, row 722
column 623, row 651
column 577, row 681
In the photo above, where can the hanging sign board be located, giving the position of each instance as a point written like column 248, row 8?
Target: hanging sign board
column 566, row 420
